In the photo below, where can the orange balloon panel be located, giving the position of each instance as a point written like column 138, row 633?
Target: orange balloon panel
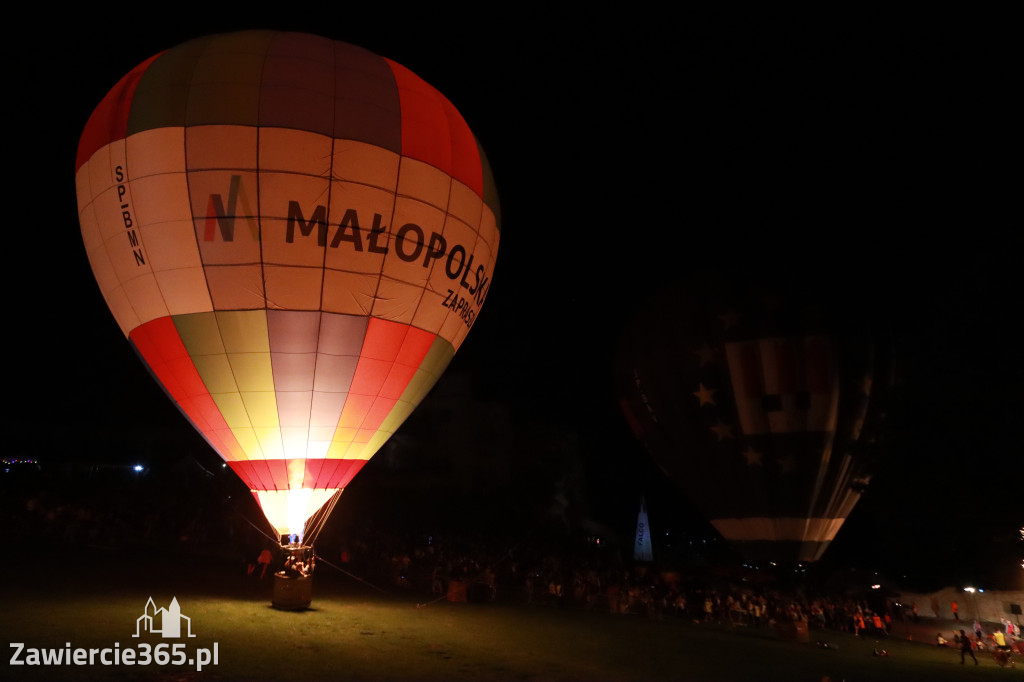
column 296, row 236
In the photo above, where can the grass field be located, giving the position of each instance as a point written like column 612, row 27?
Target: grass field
column 353, row 633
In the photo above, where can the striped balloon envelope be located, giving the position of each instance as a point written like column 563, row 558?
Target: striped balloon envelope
column 295, row 235
column 760, row 399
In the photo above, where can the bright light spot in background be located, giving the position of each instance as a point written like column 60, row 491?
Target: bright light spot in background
column 876, row 586
column 137, row 467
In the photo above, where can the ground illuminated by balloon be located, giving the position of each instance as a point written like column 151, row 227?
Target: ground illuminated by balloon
column 353, row 634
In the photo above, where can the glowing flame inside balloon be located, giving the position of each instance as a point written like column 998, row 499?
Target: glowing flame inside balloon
column 288, row 510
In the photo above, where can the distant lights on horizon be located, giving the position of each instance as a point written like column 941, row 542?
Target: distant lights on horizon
column 8, row 462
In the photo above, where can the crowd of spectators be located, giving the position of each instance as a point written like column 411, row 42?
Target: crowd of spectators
column 123, row 507
column 580, row 575
column 190, row 508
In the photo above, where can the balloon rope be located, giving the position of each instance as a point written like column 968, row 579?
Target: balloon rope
column 328, row 509
column 320, row 559
column 319, row 518
column 259, row 530
column 508, row 553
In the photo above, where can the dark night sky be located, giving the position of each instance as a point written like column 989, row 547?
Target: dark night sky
column 865, row 149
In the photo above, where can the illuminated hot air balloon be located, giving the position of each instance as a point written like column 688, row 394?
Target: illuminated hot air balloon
column 295, row 235
column 759, row 400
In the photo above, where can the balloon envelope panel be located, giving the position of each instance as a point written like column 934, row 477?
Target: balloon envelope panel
column 757, row 402
column 296, row 235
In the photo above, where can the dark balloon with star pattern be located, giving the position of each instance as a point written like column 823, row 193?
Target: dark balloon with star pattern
column 760, row 398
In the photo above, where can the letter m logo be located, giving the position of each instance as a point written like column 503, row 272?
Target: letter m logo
column 221, row 215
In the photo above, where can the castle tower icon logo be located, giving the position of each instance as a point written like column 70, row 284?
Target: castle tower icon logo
column 167, row 622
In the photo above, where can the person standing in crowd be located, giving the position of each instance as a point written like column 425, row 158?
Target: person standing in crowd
column 1009, row 628
column 965, row 647
column 858, row 623
column 264, row 561
column 1000, row 639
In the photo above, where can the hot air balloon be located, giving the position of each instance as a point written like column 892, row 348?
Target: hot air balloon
column 759, row 398
column 295, row 235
